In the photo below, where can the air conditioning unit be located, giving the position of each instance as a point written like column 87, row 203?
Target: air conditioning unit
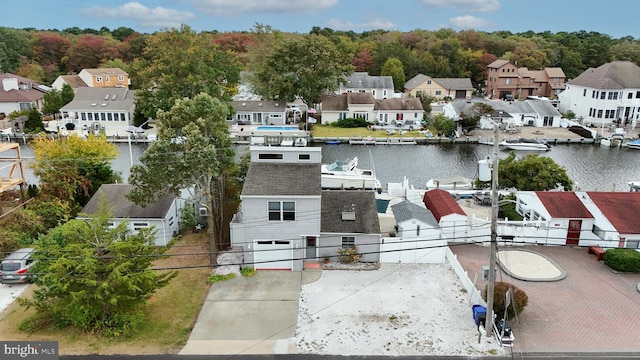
column 202, row 211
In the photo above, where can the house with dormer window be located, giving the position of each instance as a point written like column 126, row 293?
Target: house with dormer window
column 380, row 87
column 108, row 110
column 102, row 77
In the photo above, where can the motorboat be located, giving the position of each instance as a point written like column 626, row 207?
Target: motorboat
column 457, row 186
column 346, row 175
column 634, row 144
column 525, row 145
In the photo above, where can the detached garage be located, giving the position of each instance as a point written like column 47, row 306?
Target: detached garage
column 273, row 255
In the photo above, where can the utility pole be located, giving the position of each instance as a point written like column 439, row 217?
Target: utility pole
column 494, row 227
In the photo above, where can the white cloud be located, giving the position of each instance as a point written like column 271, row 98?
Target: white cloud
column 233, row 7
column 465, row 5
column 371, row 22
column 142, row 15
column 470, row 22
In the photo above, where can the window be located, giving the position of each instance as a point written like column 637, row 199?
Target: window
column 428, row 82
column 418, row 93
column 348, row 242
column 270, row 156
column 282, row 211
column 171, row 221
column 610, row 97
column 107, row 79
column 600, row 114
column 603, row 95
column 98, row 78
column 89, row 116
column 304, row 157
column 594, row 94
column 630, row 96
column 109, row 116
column 137, row 226
column 342, row 116
column 507, row 81
column 637, row 94
column 373, row 92
column 25, row 106
column 584, row 92
column 361, row 115
column 120, row 77
column 83, row 116
column 438, row 92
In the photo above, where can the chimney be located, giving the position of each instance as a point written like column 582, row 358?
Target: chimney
column 10, row 83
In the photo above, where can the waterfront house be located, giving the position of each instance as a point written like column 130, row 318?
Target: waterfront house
column 260, row 112
column 96, row 110
column 405, row 112
column 380, row 87
column 604, row 95
column 163, row 215
column 19, row 93
column 349, row 219
column 280, row 210
column 507, row 81
column 101, row 77
column 439, row 88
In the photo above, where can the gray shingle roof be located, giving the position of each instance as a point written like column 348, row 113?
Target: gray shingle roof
column 359, row 80
column 447, row 83
column 273, row 179
column 398, row 104
column 259, row 106
column 415, row 81
column 123, row 208
column 87, row 98
column 407, row 210
column 363, row 203
column 543, row 107
column 341, row 102
column 613, row 75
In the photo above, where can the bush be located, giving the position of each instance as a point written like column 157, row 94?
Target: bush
column 248, row 271
column 349, row 255
column 217, row 278
column 519, row 299
column 352, row 123
column 625, row 260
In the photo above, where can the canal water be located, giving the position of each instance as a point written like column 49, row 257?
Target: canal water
column 591, row 167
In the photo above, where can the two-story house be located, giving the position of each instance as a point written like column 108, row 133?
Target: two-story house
column 439, row 88
column 604, row 95
column 279, row 216
column 102, row 77
column 380, row 87
column 507, row 81
column 18, row 93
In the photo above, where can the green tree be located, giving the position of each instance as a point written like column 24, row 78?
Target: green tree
column 193, row 153
column 183, row 64
column 14, row 44
column 95, row 277
column 469, row 121
column 532, row 173
column 442, row 125
column 52, row 102
column 393, row 67
column 305, row 67
column 34, row 122
column 73, row 169
column 66, row 94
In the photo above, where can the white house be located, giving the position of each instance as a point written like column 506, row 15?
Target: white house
column 380, row 87
column 163, row 215
column 280, row 211
column 604, row 95
column 108, row 110
column 397, row 112
column 18, row 93
column 259, row 112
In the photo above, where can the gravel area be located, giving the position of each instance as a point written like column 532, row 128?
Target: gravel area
column 399, row 309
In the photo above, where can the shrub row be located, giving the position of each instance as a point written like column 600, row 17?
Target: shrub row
column 625, row 260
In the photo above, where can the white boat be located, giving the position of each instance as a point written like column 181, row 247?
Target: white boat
column 450, row 183
column 347, row 175
column 525, row 145
column 635, row 144
column 301, row 142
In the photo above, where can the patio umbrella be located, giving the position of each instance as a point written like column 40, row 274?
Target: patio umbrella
column 134, row 129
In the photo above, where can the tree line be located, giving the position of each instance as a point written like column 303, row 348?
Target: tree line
column 42, row 55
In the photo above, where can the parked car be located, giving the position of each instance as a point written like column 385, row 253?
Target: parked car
column 15, row 267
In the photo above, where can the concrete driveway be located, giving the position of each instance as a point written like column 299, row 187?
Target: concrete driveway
column 255, row 315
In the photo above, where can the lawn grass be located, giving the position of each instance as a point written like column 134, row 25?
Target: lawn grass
column 170, row 315
column 329, row 131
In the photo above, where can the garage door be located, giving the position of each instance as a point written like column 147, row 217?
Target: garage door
column 272, row 255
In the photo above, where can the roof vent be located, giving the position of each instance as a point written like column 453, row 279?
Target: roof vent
column 259, row 104
column 106, row 97
column 103, row 104
column 94, row 104
column 277, row 104
column 113, row 97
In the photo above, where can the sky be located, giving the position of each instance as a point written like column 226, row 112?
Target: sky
column 617, row 18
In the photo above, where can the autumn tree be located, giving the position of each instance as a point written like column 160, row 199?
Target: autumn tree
column 532, row 173
column 183, row 64
column 93, row 280
column 362, row 61
column 85, row 53
column 304, row 67
column 192, row 153
column 393, row 67
column 72, row 169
